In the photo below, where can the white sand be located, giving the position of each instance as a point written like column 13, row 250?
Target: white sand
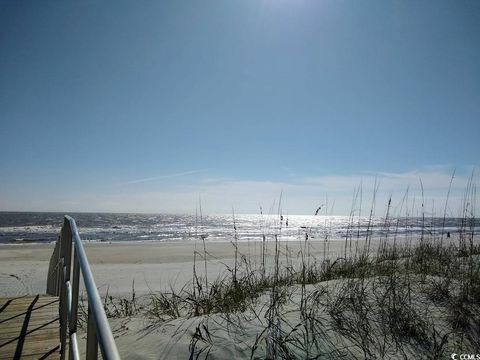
column 152, row 266
column 157, row 266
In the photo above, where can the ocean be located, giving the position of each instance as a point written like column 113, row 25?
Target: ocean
column 39, row 227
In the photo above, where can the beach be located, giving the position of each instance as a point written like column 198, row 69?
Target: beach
column 149, row 267
column 153, row 266
column 164, row 301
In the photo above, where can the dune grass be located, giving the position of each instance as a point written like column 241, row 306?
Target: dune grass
column 385, row 297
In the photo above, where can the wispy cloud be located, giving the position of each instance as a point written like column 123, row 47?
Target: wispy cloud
column 161, row 177
column 432, row 178
column 301, row 195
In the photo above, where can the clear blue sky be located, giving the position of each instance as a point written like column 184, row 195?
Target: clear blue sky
column 147, row 105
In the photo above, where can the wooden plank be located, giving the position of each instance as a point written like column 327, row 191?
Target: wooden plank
column 5, row 316
column 41, row 302
column 22, row 311
column 45, row 334
column 29, row 343
column 23, row 307
column 33, row 319
column 34, row 316
column 13, row 307
column 8, row 299
column 29, row 326
column 27, row 299
column 37, row 349
column 17, row 312
column 14, row 331
column 33, row 305
column 47, row 356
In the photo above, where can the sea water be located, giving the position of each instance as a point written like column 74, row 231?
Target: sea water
column 38, row 227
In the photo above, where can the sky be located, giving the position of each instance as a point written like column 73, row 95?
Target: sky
column 154, row 106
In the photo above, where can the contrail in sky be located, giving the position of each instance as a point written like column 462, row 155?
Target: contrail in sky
column 166, row 176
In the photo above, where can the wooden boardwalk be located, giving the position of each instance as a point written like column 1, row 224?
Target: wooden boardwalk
column 29, row 327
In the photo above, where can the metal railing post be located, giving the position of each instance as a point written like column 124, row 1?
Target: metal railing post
column 68, row 249
column 92, row 341
column 58, row 286
column 52, row 279
column 63, row 310
column 74, row 315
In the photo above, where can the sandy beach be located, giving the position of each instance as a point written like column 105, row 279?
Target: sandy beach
column 156, row 268
column 152, row 266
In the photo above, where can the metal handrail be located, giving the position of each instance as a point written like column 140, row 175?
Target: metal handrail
column 59, row 284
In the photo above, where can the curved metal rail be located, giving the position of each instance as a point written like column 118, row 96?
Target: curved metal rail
column 60, row 283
